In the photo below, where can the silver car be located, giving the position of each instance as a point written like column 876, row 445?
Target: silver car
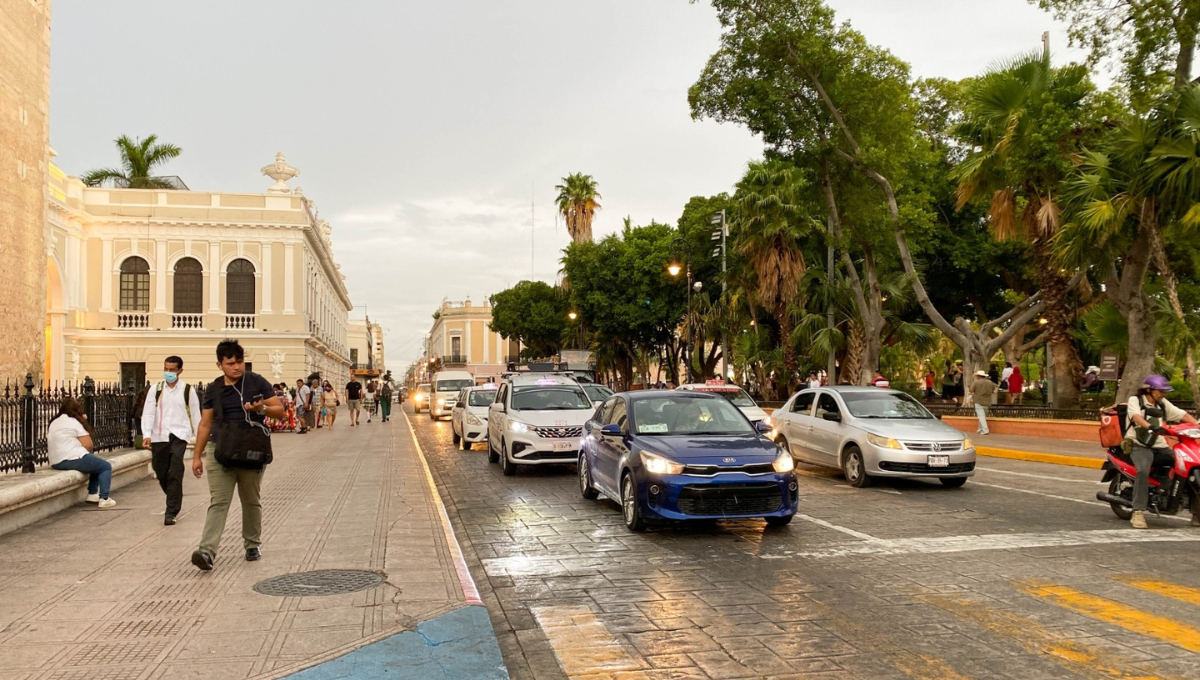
column 871, row 432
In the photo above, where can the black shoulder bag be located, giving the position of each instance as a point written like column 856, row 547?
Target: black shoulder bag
column 240, row 443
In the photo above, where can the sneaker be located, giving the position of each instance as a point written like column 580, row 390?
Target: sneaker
column 92, row 498
column 169, row 520
column 1138, row 520
column 106, row 503
column 202, row 560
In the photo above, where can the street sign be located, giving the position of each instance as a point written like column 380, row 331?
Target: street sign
column 1110, row 366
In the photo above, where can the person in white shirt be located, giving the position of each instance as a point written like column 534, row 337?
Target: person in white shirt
column 69, row 445
column 170, row 419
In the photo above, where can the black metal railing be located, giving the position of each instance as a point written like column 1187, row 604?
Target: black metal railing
column 27, row 409
column 1031, row 411
column 454, row 360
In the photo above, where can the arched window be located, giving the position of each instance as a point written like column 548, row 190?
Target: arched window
column 239, row 287
column 189, row 286
column 135, row 285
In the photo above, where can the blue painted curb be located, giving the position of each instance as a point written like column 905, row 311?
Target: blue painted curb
column 460, row 645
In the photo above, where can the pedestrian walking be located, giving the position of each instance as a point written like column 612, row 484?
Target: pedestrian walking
column 1005, row 375
column 369, row 400
column 981, row 393
column 329, row 404
column 353, row 399
column 234, row 409
column 1016, row 385
column 69, row 445
column 288, row 422
column 929, row 393
column 170, row 419
column 948, row 382
column 318, row 402
column 385, row 401
column 303, row 405
column 813, row 381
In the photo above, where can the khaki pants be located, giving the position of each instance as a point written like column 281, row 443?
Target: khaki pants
column 221, row 482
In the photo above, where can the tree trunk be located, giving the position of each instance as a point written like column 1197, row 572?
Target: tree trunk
column 790, row 363
column 1127, row 291
column 1066, row 369
column 856, row 348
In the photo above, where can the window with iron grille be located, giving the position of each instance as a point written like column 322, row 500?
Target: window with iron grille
column 135, row 285
column 189, row 286
column 239, row 287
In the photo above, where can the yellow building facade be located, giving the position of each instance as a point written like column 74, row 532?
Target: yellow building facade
column 461, row 339
column 135, row 275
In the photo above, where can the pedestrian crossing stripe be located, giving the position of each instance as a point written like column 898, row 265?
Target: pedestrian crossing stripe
column 581, row 642
column 1116, row 613
column 1164, row 588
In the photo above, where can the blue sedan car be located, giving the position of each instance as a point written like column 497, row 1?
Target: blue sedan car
column 684, row 455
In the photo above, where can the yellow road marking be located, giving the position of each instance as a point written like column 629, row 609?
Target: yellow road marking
column 1035, row 457
column 1074, row 656
column 583, row 645
column 1118, row 614
column 1164, row 588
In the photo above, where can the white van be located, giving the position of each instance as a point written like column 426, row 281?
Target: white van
column 443, row 392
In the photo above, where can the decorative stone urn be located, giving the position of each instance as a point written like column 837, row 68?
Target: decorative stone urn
column 281, row 172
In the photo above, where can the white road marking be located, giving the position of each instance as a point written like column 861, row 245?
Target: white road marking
column 954, row 544
column 1073, row 500
column 1046, row 477
column 845, row 530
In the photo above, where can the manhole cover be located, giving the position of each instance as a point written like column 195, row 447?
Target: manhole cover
column 324, row 582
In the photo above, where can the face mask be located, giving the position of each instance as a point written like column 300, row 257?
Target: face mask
column 170, row 376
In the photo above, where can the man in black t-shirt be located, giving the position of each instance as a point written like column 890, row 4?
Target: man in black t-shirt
column 241, row 396
column 353, row 397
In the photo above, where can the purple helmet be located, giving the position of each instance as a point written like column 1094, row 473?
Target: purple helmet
column 1157, row 382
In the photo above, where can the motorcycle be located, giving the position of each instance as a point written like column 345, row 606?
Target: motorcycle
column 1173, row 486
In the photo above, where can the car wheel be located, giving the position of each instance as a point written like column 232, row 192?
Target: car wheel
column 783, row 444
column 779, row 521
column 492, row 456
column 454, row 435
column 1119, row 486
column 466, row 445
column 508, row 467
column 854, row 468
column 585, row 479
column 953, row 482
column 629, row 504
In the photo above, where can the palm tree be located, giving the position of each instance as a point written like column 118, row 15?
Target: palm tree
column 768, row 232
column 1020, row 118
column 578, row 205
column 139, row 159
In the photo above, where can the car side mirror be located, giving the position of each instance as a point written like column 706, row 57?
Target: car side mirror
column 832, row 417
column 762, row 426
column 938, row 416
column 611, row 430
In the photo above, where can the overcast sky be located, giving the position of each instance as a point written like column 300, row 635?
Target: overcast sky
column 426, row 131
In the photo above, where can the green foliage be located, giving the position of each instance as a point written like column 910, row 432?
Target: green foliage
column 534, row 313
column 139, row 161
column 578, row 202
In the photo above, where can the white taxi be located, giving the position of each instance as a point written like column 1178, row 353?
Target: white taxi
column 736, row 395
column 469, row 417
column 537, row 419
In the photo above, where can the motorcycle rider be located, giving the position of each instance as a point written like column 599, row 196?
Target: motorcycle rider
column 1147, row 411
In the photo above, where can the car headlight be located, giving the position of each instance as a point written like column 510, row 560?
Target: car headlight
column 658, row 465
column 441, row 402
column 473, row 420
column 517, row 426
column 419, row 397
column 883, row 442
column 967, row 443
column 767, row 420
column 784, row 462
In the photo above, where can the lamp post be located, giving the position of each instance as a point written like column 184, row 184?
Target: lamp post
column 681, row 244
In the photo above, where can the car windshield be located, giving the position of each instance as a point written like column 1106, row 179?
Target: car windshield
column 737, row 397
column 538, row 398
column 884, row 405
column 481, row 397
column 688, row 415
column 453, row 385
column 597, row 392
column 423, row 388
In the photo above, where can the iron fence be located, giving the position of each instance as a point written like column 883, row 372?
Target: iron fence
column 27, row 409
column 1032, row 411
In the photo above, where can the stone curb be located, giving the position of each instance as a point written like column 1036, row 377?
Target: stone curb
column 40, row 496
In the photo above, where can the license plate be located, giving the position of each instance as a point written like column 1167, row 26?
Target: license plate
column 939, row 461
column 564, row 446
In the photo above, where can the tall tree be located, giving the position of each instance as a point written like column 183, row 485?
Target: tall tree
column 534, row 313
column 577, row 203
column 139, row 161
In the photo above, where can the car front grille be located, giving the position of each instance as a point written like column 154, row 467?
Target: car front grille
column 730, row 499
column 936, row 447
column 558, row 432
column 922, row 468
column 711, row 470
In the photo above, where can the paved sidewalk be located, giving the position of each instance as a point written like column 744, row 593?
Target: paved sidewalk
column 111, row 594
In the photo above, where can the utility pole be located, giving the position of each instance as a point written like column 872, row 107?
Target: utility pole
column 831, row 367
column 724, row 285
column 532, row 225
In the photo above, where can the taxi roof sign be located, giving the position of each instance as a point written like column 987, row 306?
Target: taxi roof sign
column 714, row 382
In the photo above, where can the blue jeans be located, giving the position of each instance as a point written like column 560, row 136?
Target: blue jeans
column 98, row 470
column 981, row 413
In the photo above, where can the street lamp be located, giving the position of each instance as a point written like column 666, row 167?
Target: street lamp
column 572, row 316
column 682, row 244
column 673, row 269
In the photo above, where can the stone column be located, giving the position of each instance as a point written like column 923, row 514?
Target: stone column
column 107, row 273
column 266, row 278
column 160, row 270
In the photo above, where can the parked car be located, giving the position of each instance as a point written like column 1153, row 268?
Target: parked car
column 445, row 386
column 675, row 455
column 736, row 396
column 420, row 397
column 871, row 432
column 468, row 419
column 597, row 393
column 536, row 419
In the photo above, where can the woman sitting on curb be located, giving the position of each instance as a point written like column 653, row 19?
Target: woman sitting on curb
column 69, row 443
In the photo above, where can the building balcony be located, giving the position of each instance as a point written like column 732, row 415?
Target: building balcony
column 187, row 321
column 239, row 322
column 133, row 320
column 454, row 360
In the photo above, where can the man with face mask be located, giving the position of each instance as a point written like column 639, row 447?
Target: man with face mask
column 170, row 419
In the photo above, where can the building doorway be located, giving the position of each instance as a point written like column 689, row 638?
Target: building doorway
column 133, row 376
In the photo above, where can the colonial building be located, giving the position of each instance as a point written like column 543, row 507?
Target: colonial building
column 460, row 339
column 24, row 157
column 135, row 275
column 366, row 349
